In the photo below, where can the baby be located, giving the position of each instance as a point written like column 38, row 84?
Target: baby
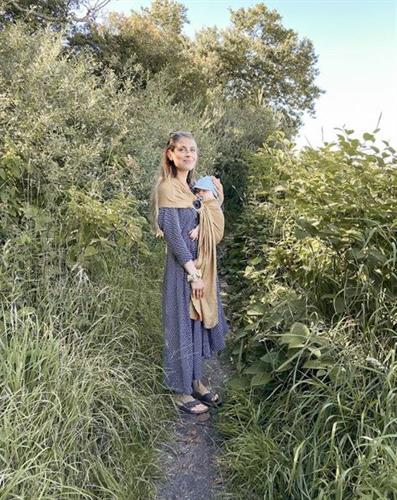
column 205, row 188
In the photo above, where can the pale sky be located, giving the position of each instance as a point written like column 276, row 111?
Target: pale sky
column 356, row 42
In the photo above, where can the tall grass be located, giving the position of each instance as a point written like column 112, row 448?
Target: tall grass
column 312, row 437
column 312, row 410
column 81, row 414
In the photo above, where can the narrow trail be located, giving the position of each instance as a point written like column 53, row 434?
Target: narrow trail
column 188, row 460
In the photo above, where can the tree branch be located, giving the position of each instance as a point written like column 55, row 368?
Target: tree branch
column 92, row 10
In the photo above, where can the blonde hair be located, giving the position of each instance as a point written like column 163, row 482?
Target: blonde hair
column 167, row 170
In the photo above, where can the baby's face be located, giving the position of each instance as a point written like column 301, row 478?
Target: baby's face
column 201, row 192
column 206, row 194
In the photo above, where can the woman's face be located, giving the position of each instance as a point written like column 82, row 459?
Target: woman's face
column 184, row 154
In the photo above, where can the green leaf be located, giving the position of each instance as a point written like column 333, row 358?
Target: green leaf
column 260, row 379
column 256, row 367
column 236, row 350
column 316, row 351
column 239, row 382
column 255, row 261
column 240, row 334
column 376, row 256
column 318, row 364
column 299, row 329
column 306, row 225
column 368, row 137
column 284, row 367
column 90, row 251
column 292, row 340
column 350, row 292
column 337, row 374
column 251, row 326
column 256, row 310
column 297, row 335
column 299, row 233
column 270, row 357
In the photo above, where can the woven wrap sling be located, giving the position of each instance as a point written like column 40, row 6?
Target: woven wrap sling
column 172, row 193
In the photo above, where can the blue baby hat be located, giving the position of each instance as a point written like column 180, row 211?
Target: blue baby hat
column 206, row 183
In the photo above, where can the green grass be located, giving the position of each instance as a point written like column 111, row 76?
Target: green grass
column 82, row 404
column 312, row 410
column 314, row 437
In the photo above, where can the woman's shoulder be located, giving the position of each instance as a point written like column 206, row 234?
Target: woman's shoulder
column 167, row 191
column 170, row 196
column 165, row 185
column 170, row 184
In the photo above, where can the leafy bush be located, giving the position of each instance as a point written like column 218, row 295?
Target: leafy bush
column 79, row 274
column 313, row 295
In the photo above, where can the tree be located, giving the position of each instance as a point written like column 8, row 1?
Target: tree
column 53, row 13
column 147, row 43
column 168, row 15
column 258, row 59
column 255, row 60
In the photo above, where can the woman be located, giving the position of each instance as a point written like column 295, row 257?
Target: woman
column 193, row 319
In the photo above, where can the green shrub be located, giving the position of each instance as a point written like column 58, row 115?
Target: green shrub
column 79, row 280
column 313, row 300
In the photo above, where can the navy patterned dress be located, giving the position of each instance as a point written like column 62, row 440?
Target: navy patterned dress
column 186, row 341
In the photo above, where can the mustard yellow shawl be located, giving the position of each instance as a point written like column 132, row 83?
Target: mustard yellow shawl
column 172, row 193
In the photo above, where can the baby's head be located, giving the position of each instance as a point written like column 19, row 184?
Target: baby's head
column 205, row 187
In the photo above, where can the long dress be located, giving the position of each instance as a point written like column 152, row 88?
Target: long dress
column 186, row 341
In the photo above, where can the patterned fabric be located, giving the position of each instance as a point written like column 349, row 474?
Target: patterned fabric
column 186, row 341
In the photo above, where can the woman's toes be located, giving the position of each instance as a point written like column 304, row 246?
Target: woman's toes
column 200, row 408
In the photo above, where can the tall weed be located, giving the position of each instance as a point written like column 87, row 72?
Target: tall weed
column 312, row 272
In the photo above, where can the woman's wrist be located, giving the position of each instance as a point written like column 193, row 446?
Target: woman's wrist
column 190, row 267
column 195, row 276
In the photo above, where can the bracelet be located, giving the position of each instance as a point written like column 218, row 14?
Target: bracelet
column 194, row 276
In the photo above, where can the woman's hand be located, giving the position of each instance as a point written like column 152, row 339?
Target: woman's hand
column 218, row 185
column 193, row 234
column 197, row 289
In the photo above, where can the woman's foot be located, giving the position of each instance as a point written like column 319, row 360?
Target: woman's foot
column 201, row 389
column 187, row 398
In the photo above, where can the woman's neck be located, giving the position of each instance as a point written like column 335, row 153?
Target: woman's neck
column 182, row 176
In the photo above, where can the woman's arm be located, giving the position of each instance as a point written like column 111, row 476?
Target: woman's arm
column 169, row 224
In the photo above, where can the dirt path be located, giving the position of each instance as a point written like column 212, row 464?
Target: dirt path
column 189, row 459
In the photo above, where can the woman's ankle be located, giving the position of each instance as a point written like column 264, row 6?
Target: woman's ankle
column 198, row 386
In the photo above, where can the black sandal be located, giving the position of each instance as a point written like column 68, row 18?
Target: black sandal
column 207, row 398
column 188, row 405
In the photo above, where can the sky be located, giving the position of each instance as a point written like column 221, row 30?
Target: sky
column 356, row 45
